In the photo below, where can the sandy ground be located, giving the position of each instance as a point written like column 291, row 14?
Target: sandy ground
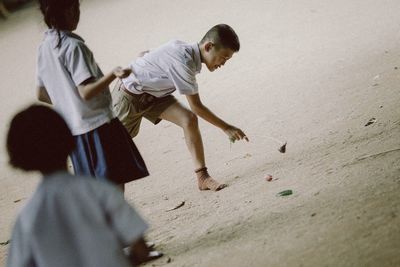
column 309, row 72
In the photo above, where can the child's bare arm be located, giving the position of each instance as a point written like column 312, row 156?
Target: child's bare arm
column 90, row 88
column 43, row 96
column 201, row 110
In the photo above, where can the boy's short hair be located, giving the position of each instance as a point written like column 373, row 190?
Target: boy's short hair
column 39, row 139
column 222, row 35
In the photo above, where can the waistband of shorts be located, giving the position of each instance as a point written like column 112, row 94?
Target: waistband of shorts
column 143, row 96
column 122, row 87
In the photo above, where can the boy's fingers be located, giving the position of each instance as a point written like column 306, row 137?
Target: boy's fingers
column 243, row 135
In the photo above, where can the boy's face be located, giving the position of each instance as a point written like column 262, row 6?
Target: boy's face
column 215, row 57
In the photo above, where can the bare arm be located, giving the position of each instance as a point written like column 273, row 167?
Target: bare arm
column 202, row 111
column 43, row 96
column 199, row 109
column 90, row 88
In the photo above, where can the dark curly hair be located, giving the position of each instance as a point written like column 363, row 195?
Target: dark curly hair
column 39, row 139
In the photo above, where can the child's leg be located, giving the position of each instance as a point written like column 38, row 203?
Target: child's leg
column 186, row 119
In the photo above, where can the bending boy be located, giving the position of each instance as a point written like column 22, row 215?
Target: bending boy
column 147, row 92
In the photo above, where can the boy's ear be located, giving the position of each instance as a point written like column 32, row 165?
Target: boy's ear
column 208, row 46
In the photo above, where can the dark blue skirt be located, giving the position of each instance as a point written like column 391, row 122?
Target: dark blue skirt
column 109, row 153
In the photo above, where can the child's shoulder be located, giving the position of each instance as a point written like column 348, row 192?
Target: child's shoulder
column 181, row 49
column 74, row 41
column 63, row 38
column 177, row 44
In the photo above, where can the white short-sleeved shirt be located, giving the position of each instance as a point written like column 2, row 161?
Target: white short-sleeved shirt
column 74, row 221
column 172, row 66
column 61, row 70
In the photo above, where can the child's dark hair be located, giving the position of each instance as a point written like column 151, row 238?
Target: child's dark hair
column 54, row 14
column 39, row 139
column 222, row 35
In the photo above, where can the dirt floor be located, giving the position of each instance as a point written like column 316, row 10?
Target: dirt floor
column 311, row 73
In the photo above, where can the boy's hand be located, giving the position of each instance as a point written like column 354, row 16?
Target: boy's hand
column 235, row 133
column 121, row 73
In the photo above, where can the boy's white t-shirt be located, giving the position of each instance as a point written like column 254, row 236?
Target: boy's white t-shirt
column 172, row 66
column 74, row 221
column 61, row 70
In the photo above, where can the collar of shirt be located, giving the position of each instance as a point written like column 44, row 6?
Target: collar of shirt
column 197, row 57
column 57, row 173
column 53, row 33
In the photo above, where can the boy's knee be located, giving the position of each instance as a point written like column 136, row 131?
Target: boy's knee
column 190, row 120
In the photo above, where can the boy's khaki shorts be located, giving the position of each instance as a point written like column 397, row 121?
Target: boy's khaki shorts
column 130, row 108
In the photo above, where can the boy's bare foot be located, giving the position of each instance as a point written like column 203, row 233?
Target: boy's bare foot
column 206, row 182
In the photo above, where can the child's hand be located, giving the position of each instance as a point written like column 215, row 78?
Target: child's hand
column 235, row 134
column 121, row 73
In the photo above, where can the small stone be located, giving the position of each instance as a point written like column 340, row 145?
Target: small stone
column 396, row 68
column 371, row 121
column 312, row 215
column 282, row 149
column 268, row 177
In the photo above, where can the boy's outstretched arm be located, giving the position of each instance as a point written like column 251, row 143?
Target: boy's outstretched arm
column 90, row 88
column 201, row 110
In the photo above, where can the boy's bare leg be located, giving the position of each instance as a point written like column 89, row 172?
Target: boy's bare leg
column 187, row 120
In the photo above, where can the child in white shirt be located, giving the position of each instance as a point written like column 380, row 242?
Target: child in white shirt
column 70, row 220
